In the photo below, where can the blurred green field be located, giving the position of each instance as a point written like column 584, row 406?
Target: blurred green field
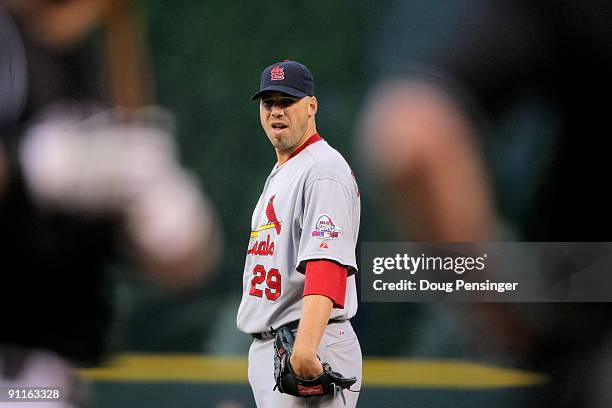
column 189, row 380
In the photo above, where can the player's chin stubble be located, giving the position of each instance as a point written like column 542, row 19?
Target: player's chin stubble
column 280, row 142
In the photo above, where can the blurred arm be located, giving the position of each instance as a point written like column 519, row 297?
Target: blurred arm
column 98, row 166
column 171, row 227
column 421, row 147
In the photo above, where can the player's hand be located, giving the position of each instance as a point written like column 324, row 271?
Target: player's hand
column 298, row 372
column 306, row 366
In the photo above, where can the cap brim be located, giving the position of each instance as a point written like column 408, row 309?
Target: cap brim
column 279, row 88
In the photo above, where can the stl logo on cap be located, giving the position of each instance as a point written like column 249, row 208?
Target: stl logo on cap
column 277, row 73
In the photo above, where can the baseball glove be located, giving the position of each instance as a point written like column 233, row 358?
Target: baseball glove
column 329, row 382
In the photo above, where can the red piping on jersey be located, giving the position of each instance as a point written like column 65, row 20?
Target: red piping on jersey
column 326, row 278
column 312, row 139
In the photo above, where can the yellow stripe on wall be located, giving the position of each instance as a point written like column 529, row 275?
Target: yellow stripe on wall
column 171, row 368
column 444, row 374
column 379, row 372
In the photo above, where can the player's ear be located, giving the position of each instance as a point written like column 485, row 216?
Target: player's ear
column 313, row 106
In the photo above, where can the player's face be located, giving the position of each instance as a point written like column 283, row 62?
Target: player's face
column 287, row 120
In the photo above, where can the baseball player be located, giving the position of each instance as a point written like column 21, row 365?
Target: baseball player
column 300, row 262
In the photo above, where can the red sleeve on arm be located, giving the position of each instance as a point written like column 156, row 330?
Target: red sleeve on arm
column 326, row 278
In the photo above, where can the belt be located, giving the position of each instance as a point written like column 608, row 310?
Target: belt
column 291, row 326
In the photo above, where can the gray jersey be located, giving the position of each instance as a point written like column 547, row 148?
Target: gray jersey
column 309, row 209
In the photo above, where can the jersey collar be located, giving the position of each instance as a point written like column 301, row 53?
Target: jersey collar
column 312, row 139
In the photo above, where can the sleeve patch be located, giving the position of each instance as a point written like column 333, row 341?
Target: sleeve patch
column 325, row 228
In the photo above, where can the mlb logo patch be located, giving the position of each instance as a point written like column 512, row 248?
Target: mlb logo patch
column 325, row 228
column 277, row 73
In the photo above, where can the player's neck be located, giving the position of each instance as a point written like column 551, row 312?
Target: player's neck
column 283, row 155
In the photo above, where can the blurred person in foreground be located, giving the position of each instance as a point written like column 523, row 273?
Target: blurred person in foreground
column 417, row 137
column 420, row 149
column 536, row 71
column 81, row 185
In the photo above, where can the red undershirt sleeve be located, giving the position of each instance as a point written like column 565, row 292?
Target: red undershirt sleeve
column 326, row 278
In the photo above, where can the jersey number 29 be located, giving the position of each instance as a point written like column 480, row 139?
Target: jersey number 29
column 272, row 279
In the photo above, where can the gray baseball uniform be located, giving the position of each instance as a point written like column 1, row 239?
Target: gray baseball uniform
column 309, row 209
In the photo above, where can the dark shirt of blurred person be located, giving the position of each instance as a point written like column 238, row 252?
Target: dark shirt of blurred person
column 81, row 185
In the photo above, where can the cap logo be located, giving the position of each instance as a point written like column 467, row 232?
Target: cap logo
column 277, row 73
